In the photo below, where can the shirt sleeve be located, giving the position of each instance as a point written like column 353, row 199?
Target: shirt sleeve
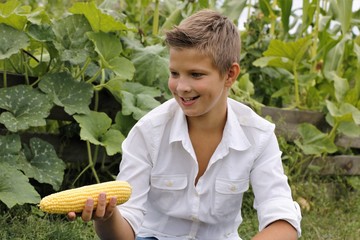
column 135, row 168
column 273, row 199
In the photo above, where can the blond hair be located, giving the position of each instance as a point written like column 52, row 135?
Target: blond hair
column 212, row 34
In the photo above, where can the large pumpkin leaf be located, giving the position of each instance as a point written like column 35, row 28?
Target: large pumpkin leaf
column 13, row 42
column 109, row 48
column 11, row 153
column 71, row 39
column 138, row 99
column 152, row 67
column 98, row 20
column 10, row 147
column 66, row 92
column 48, row 168
column 15, row 187
column 26, row 107
column 42, row 33
column 96, row 128
column 115, row 86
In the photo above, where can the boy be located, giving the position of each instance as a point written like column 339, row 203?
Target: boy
column 190, row 160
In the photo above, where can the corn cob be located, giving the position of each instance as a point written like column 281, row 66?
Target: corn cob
column 73, row 200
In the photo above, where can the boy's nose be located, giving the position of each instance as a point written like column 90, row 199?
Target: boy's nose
column 183, row 85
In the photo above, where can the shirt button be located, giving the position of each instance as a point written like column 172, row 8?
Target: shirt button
column 169, row 183
column 233, row 188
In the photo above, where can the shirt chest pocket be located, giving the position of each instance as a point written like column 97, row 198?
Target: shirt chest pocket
column 168, row 191
column 228, row 197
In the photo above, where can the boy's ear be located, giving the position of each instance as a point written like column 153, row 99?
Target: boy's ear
column 232, row 74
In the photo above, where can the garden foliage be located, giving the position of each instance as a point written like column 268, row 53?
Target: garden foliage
column 70, row 53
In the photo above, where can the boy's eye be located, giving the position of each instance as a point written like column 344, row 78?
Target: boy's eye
column 174, row 74
column 196, row 75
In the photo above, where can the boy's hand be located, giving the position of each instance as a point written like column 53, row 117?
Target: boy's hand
column 102, row 213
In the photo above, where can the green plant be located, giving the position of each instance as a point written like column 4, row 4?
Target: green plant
column 318, row 67
column 67, row 61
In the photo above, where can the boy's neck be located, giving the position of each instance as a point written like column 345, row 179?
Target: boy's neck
column 207, row 124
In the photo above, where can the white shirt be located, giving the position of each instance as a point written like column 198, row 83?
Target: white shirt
column 160, row 164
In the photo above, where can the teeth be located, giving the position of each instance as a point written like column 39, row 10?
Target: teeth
column 188, row 99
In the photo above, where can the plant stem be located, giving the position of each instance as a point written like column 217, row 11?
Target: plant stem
column 273, row 20
column 81, row 173
column 296, row 86
column 156, row 19
column 315, row 36
column 82, row 70
column 332, row 133
column 93, row 78
column 4, row 75
column 91, row 163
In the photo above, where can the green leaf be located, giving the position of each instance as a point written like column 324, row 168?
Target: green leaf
column 350, row 129
column 265, row 7
column 341, row 85
column 25, row 107
column 314, row 141
column 98, row 20
column 11, row 153
column 138, row 99
column 107, row 45
column 42, row 33
column 280, row 62
column 13, row 42
column 307, row 19
column 344, row 10
column 112, row 140
column 71, row 39
column 335, row 56
column 233, row 8
column 246, row 85
column 123, row 123
column 15, row 187
column 10, row 147
column 285, row 55
column 109, row 49
column 345, row 112
column 9, row 16
column 66, row 92
column 152, row 68
column 95, row 128
column 173, row 20
column 48, row 168
column 290, row 50
column 285, row 6
column 122, row 67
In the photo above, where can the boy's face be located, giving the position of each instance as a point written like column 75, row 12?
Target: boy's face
column 196, row 83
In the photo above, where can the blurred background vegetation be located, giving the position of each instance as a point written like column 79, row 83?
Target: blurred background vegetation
column 307, row 61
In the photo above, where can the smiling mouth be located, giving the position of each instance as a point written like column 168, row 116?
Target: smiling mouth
column 188, row 99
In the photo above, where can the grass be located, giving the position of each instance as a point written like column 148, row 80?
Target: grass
column 333, row 214
column 27, row 222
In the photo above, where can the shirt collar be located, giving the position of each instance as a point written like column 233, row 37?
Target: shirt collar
column 233, row 136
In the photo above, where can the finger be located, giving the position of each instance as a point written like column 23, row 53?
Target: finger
column 88, row 210
column 71, row 216
column 110, row 208
column 101, row 206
